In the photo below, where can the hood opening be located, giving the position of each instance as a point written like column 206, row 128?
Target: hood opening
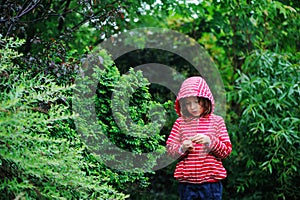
column 194, row 86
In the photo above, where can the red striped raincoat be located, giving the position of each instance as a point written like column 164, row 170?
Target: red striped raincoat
column 204, row 162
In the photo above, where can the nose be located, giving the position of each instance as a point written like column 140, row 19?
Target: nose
column 193, row 105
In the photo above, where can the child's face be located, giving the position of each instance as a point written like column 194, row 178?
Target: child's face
column 193, row 106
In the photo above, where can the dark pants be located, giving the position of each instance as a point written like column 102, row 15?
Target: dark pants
column 204, row 191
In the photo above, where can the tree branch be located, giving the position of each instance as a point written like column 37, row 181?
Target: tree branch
column 21, row 13
column 63, row 16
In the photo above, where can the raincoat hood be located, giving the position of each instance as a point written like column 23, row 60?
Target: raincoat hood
column 194, row 86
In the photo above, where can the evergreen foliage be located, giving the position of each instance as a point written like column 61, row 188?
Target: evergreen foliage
column 41, row 155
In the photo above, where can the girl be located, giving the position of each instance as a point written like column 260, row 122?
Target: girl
column 200, row 141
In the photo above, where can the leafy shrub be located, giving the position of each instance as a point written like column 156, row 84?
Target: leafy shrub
column 118, row 120
column 36, row 162
column 42, row 155
column 267, row 140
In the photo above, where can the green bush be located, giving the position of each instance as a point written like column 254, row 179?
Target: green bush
column 122, row 125
column 267, row 140
column 41, row 156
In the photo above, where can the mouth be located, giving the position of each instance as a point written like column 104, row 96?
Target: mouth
column 195, row 113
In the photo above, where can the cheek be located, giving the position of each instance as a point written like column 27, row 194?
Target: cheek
column 188, row 108
column 201, row 109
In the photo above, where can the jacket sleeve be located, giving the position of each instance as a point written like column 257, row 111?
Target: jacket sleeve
column 174, row 141
column 221, row 146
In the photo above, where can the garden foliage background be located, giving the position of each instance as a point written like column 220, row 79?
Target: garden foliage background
column 254, row 44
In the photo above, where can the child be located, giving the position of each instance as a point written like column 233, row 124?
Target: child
column 199, row 140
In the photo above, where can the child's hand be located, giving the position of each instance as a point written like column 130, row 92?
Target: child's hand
column 201, row 139
column 187, row 145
